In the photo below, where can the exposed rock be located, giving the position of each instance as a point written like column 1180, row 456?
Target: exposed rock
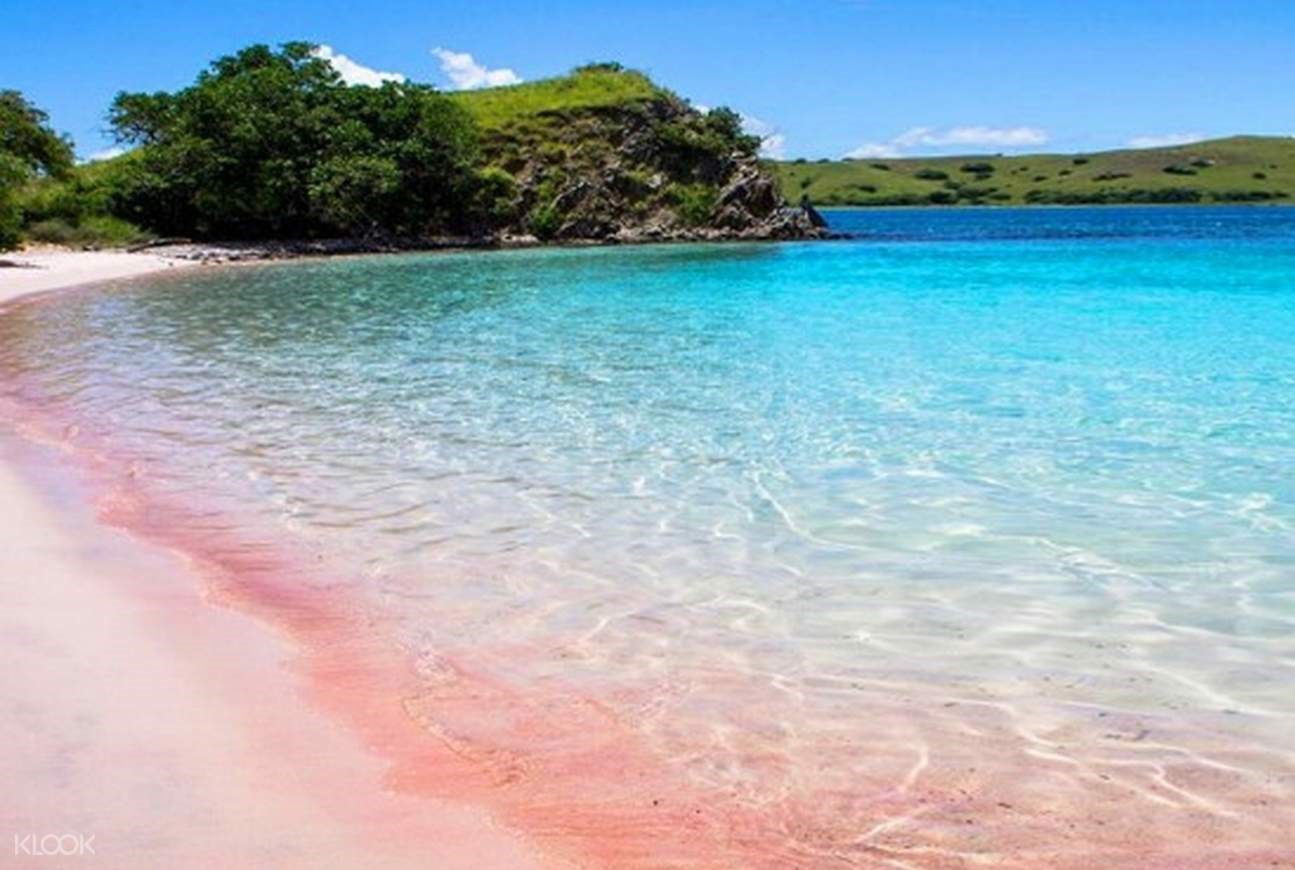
column 637, row 173
column 812, row 213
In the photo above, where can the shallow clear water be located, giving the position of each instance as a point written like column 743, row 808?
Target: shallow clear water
column 996, row 502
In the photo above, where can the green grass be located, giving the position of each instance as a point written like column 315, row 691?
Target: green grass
column 98, row 231
column 589, row 87
column 1241, row 168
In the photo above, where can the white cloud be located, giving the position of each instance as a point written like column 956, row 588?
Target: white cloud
column 773, row 144
column 873, row 149
column 966, row 137
column 355, row 73
column 466, row 74
column 1164, row 141
column 106, row 154
column 998, row 137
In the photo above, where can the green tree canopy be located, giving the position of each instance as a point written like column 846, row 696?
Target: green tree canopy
column 28, row 148
column 25, row 136
column 272, row 143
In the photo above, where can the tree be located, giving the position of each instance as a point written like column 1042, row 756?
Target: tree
column 272, row 143
column 25, row 135
column 28, row 149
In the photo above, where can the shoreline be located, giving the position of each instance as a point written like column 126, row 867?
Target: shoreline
column 316, row 743
column 171, row 729
column 42, row 271
column 213, row 708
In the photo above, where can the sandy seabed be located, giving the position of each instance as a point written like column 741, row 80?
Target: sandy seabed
column 143, row 727
column 165, row 731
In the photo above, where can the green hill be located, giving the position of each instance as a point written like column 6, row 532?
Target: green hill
column 605, row 153
column 598, row 86
column 272, row 145
column 1237, row 169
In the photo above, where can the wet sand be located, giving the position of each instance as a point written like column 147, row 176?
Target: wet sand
column 163, row 731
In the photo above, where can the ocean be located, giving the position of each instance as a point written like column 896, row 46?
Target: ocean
column 967, row 537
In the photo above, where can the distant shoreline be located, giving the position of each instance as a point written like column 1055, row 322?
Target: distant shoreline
column 1051, row 206
column 1241, row 170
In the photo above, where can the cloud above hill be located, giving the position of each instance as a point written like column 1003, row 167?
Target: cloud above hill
column 773, row 144
column 354, row 73
column 975, row 136
column 466, row 74
column 1164, row 140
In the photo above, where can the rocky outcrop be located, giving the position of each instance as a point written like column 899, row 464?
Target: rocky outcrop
column 651, row 171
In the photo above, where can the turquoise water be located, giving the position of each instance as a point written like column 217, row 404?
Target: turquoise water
column 997, row 501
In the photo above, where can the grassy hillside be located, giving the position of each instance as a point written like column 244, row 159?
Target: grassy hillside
column 593, row 87
column 604, row 153
column 1238, row 169
column 270, row 144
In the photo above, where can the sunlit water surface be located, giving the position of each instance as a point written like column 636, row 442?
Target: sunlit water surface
column 991, row 501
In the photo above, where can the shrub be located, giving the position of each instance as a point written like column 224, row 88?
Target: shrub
column 1259, row 176
column 1247, row 195
column 896, row 199
column 942, row 197
column 100, row 231
column 1107, row 195
column 1079, row 161
column 545, row 221
column 605, row 66
column 496, row 196
column 11, row 173
column 882, row 166
column 931, row 175
column 1179, row 169
column 977, row 168
column 693, row 202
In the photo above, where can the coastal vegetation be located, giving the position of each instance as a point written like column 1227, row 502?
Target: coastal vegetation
column 1241, row 169
column 272, row 144
column 29, row 150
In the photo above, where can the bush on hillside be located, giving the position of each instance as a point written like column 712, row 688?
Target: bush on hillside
column 1109, row 195
column 693, row 203
column 1247, row 195
column 96, row 231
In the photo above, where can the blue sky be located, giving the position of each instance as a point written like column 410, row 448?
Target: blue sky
column 821, row 79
